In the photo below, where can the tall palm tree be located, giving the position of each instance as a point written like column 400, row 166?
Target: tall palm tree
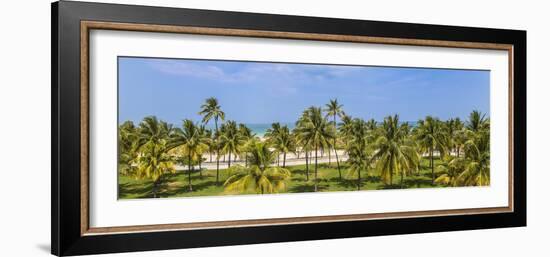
column 260, row 177
column 247, row 136
column 153, row 163
column 432, row 137
column 212, row 110
column 303, row 143
column 477, row 122
column 396, row 152
column 128, row 136
column 211, row 146
column 271, row 134
column 205, row 137
column 358, row 150
column 333, row 109
column 477, row 151
column 231, row 140
column 190, row 143
column 317, row 131
column 345, row 128
column 477, row 155
column 283, row 142
column 454, row 128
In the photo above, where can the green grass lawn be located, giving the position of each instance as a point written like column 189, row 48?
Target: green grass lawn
column 176, row 185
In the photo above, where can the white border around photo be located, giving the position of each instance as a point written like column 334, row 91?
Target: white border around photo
column 106, row 210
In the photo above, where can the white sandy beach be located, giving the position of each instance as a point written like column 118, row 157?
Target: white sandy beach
column 291, row 160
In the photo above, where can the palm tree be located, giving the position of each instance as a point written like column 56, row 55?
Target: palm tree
column 477, row 122
column 476, row 151
column 315, row 130
column 153, row 163
column 260, row 177
column 454, row 128
column 231, row 140
column 396, row 152
column 212, row 110
column 477, row 155
column 345, row 128
column 333, row 108
column 372, row 125
column 153, row 130
column 271, row 134
column 283, row 142
column 128, row 137
column 431, row 137
column 450, row 169
column 247, row 148
column 358, row 150
column 190, row 143
column 303, row 143
column 247, row 136
column 205, row 137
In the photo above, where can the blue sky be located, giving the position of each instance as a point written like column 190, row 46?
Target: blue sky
column 255, row 92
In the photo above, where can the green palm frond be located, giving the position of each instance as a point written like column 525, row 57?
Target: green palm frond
column 260, row 177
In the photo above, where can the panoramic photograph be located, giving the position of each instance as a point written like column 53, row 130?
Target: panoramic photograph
column 189, row 128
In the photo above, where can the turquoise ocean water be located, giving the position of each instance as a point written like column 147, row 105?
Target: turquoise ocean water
column 260, row 128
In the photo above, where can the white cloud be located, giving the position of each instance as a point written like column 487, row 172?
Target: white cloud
column 251, row 72
column 188, row 69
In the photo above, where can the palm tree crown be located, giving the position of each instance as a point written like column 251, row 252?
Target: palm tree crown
column 396, row 153
column 315, row 130
column 432, row 137
column 260, row 177
column 231, row 140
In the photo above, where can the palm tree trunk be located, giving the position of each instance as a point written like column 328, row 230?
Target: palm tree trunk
column 210, row 156
column 284, row 159
column 278, row 156
column 316, row 150
column 337, row 161
column 329, row 161
column 155, row 187
column 189, row 174
column 359, row 180
column 200, row 167
column 307, row 166
column 336, row 152
column 391, row 174
column 217, row 154
column 432, row 164
column 217, row 167
column 401, row 179
column 246, row 160
column 229, row 163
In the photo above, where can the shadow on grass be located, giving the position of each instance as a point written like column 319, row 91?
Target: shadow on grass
column 184, row 188
column 310, row 187
column 347, row 183
column 417, row 182
column 129, row 190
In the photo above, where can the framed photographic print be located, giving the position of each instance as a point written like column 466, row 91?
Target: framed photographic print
column 178, row 128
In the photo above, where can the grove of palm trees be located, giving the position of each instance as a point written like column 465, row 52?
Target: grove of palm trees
column 326, row 150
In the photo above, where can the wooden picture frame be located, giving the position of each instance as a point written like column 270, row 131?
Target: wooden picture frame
column 71, row 25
